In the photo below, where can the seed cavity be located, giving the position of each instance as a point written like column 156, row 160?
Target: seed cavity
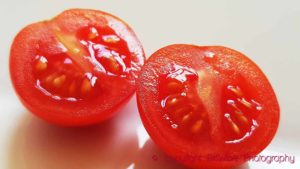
column 239, row 108
column 111, row 39
column 64, row 73
column 179, row 101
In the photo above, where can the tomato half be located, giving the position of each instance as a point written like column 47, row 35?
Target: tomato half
column 207, row 107
column 77, row 68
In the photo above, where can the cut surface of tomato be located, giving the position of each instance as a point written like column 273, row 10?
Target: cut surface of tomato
column 207, row 107
column 77, row 68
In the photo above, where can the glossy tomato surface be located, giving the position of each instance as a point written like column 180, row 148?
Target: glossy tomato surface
column 77, row 68
column 207, row 107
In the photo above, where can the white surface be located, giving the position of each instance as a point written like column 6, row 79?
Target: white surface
column 267, row 31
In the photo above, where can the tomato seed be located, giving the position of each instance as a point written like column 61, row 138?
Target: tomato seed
column 232, row 103
column 243, row 119
column 175, row 86
column 93, row 33
column 235, row 90
column 197, row 126
column 245, row 102
column 235, row 128
column 86, row 86
column 233, row 125
column 49, row 79
column 186, row 117
column 58, row 81
column 172, row 102
column 114, row 66
column 72, row 88
column 257, row 105
column 111, row 39
column 41, row 66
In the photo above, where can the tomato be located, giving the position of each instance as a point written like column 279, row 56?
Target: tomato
column 77, row 68
column 207, row 107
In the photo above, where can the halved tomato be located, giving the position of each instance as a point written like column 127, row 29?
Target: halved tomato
column 207, row 107
column 77, row 68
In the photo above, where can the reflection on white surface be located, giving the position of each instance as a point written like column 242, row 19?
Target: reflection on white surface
column 120, row 143
column 142, row 135
column 131, row 166
column 37, row 144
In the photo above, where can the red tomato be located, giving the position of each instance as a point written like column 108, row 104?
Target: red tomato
column 207, row 107
column 77, row 68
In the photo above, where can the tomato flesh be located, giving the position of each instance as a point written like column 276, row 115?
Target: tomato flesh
column 77, row 68
column 205, row 105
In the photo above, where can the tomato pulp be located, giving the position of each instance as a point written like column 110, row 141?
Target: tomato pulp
column 77, row 68
column 207, row 107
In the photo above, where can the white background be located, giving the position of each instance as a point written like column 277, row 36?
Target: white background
column 266, row 31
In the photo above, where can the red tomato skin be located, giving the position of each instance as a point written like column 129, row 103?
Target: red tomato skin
column 61, row 112
column 182, row 151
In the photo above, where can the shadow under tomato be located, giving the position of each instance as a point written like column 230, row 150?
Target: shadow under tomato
column 39, row 145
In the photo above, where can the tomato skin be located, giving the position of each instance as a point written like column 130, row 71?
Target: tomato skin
column 39, row 35
column 209, row 154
